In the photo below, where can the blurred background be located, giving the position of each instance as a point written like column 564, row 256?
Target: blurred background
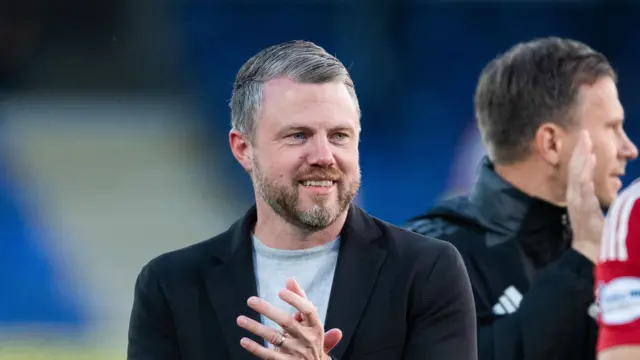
column 114, row 123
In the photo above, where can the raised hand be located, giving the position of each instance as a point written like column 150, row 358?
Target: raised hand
column 587, row 219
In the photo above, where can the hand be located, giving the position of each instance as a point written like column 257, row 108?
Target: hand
column 587, row 220
column 331, row 337
column 303, row 335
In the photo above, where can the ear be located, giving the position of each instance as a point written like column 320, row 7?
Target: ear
column 549, row 141
column 241, row 149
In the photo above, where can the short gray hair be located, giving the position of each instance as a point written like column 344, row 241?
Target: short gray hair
column 300, row 61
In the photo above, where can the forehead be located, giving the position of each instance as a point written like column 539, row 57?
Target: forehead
column 289, row 103
column 599, row 102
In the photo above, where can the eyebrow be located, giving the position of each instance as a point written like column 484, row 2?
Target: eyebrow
column 303, row 128
column 294, row 128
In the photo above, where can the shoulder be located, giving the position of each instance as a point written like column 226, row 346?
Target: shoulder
column 466, row 235
column 436, row 268
column 447, row 219
column 417, row 248
column 179, row 266
column 621, row 235
column 437, row 227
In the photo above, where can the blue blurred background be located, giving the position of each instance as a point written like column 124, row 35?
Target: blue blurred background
column 114, row 122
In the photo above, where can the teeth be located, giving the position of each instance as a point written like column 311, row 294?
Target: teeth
column 322, row 183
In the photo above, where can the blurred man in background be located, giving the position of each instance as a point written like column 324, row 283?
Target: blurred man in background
column 384, row 292
column 533, row 281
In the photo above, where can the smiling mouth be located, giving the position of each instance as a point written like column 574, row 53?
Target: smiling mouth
column 317, row 183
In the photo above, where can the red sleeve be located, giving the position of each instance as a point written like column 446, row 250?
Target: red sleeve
column 618, row 273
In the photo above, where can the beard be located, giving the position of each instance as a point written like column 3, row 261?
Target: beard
column 285, row 199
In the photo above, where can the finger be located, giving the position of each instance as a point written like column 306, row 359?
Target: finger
column 261, row 351
column 580, row 153
column 588, row 144
column 286, row 322
column 580, row 173
column 583, row 147
column 271, row 335
column 589, row 190
column 307, row 310
column 293, row 285
column 590, row 167
column 331, row 339
column 586, row 176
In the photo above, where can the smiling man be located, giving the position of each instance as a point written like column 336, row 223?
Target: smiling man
column 305, row 274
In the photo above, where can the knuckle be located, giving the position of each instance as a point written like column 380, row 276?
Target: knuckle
column 312, row 339
column 273, row 337
column 287, row 324
column 310, row 352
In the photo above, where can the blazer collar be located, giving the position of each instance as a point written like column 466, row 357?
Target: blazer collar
column 359, row 226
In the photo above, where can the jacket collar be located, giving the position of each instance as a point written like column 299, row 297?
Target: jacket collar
column 507, row 209
column 359, row 226
column 539, row 226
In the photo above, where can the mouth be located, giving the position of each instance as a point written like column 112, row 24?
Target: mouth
column 318, row 183
column 617, row 178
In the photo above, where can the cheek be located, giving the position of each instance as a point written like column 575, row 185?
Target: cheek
column 606, row 159
column 286, row 169
column 348, row 162
column 271, row 169
column 605, row 145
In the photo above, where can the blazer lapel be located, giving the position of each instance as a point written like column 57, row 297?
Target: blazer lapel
column 356, row 273
column 230, row 281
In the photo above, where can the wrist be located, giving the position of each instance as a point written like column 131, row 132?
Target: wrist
column 588, row 249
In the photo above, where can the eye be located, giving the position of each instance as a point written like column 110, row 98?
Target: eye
column 340, row 137
column 616, row 125
column 299, row 136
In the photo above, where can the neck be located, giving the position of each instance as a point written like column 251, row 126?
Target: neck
column 276, row 232
column 534, row 179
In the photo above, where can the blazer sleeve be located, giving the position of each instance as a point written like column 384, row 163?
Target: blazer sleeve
column 152, row 333
column 443, row 319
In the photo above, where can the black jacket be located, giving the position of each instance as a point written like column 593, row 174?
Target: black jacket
column 533, row 293
column 395, row 295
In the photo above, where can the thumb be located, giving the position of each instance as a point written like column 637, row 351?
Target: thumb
column 331, row 339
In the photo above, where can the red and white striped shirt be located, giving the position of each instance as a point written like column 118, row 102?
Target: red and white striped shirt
column 617, row 272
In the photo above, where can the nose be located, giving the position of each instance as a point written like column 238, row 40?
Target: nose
column 320, row 152
column 629, row 149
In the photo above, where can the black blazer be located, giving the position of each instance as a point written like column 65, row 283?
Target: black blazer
column 395, row 295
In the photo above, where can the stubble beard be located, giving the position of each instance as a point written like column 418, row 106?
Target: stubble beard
column 284, row 200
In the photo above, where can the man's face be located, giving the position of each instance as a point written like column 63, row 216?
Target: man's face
column 600, row 112
column 305, row 162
